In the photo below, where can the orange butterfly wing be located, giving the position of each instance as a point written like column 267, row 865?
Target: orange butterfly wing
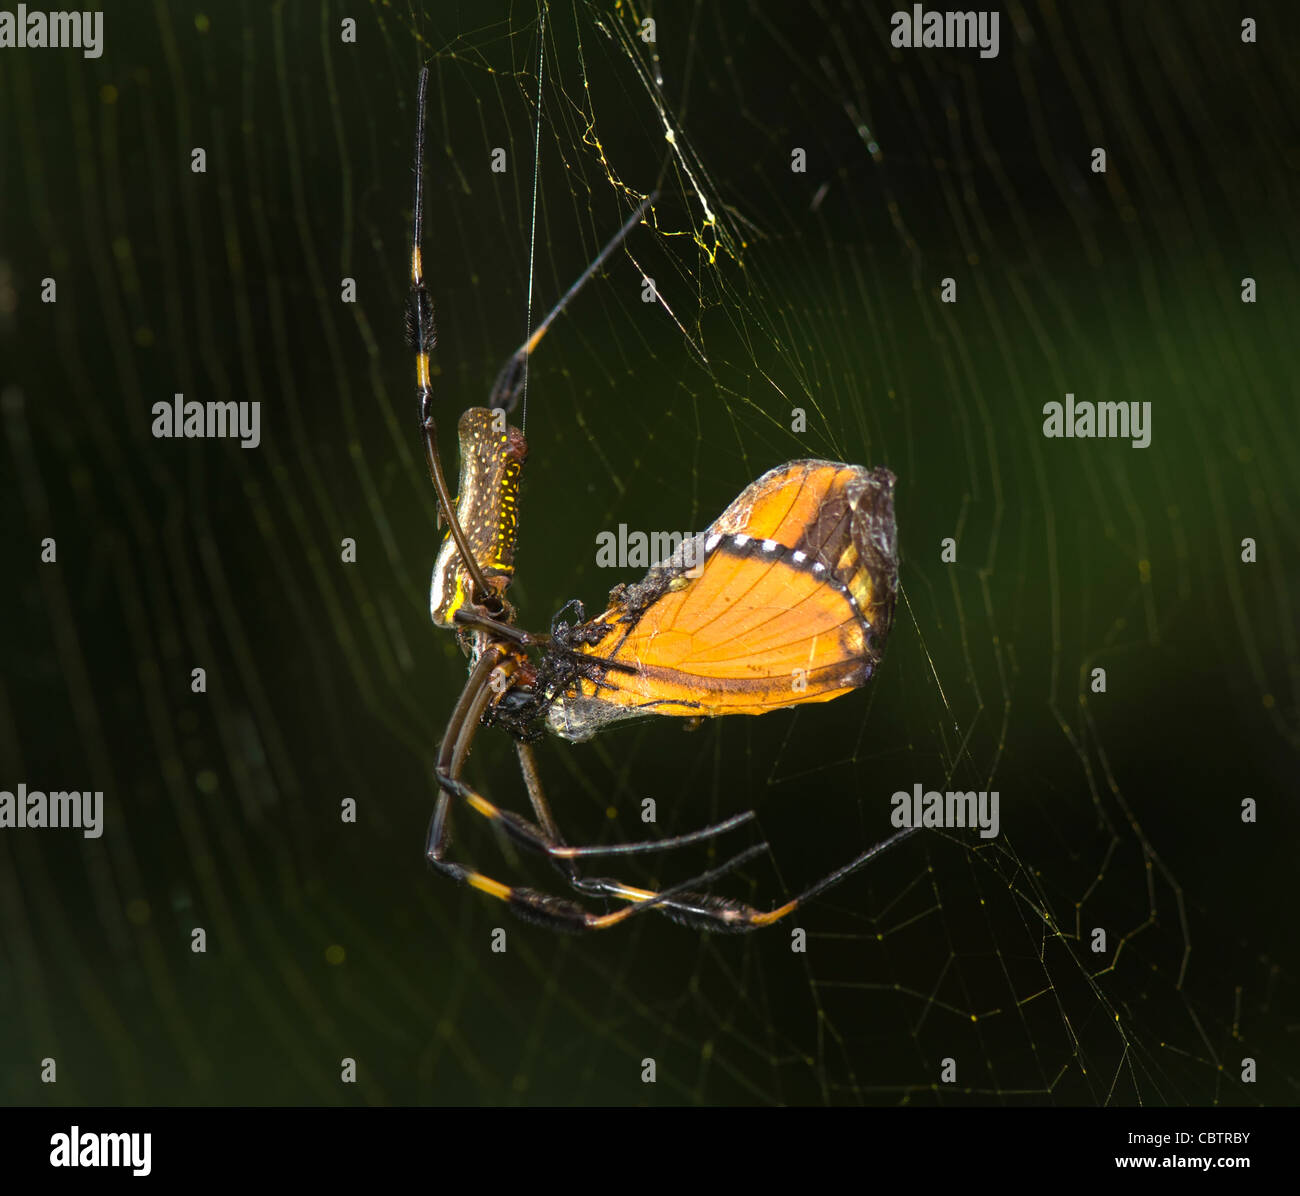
column 791, row 604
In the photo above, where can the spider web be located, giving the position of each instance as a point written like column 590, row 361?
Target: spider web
column 775, row 289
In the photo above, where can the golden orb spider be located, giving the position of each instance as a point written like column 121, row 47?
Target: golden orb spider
column 801, row 569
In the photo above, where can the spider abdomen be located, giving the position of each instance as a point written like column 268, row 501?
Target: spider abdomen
column 492, row 455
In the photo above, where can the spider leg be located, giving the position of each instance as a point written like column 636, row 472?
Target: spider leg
column 546, row 838
column 726, row 915
column 545, row 841
column 558, row 912
column 683, row 903
column 509, row 382
column 599, row 886
column 420, row 336
column 481, row 621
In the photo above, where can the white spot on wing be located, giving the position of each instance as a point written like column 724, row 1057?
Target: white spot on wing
column 712, row 542
column 740, row 541
column 769, row 545
column 800, row 557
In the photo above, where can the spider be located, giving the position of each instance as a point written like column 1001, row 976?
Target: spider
column 785, row 599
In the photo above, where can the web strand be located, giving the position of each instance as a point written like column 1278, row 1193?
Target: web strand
column 532, row 236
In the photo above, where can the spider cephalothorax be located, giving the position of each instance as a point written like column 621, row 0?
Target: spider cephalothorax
column 562, row 667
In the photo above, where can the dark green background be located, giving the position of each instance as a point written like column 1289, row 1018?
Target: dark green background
column 327, row 681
